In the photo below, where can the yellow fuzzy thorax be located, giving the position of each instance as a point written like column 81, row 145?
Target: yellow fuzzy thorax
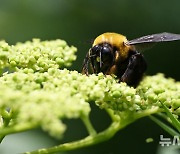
column 116, row 40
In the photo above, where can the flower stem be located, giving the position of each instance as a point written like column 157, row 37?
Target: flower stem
column 164, row 126
column 88, row 141
column 174, row 120
column 6, row 117
column 15, row 129
column 88, row 125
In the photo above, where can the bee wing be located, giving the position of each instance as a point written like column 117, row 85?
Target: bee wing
column 149, row 41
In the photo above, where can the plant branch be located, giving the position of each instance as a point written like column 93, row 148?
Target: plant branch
column 88, row 141
column 6, row 117
column 88, row 125
column 16, row 129
column 115, row 126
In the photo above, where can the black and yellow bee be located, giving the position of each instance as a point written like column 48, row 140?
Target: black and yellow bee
column 112, row 53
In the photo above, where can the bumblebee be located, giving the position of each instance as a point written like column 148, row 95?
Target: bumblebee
column 112, row 53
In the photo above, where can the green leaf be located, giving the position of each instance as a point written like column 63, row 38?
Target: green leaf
column 174, row 120
column 164, row 126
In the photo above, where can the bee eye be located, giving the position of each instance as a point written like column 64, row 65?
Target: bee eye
column 102, row 53
column 107, row 53
column 106, row 50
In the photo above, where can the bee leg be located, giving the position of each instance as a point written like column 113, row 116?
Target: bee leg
column 85, row 67
column 135, row 70
column 92, row 65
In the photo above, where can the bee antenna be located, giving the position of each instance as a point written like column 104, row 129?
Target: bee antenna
column 100, row 61
column 100, row 57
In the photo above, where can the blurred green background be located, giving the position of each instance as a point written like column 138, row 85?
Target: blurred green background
column 79, row 22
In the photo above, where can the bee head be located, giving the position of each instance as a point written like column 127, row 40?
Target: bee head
column 102, row 57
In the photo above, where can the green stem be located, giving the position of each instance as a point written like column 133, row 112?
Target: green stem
column 88, row 125
column 1, row 137
column 115, row 126
column 165, row 117
column 112, row 115
column 175, row 121
column 16, row 129
column 88, row 141
column 164, row 126
column 6, row 118
column 147, row 112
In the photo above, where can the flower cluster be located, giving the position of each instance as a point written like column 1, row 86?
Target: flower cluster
column 44, row 98
column 156, row 89
column 39, row 94
column 30, row 97
column 36, row 55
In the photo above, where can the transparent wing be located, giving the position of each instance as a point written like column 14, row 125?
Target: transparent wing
column 161, row 37
column 146, row 42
